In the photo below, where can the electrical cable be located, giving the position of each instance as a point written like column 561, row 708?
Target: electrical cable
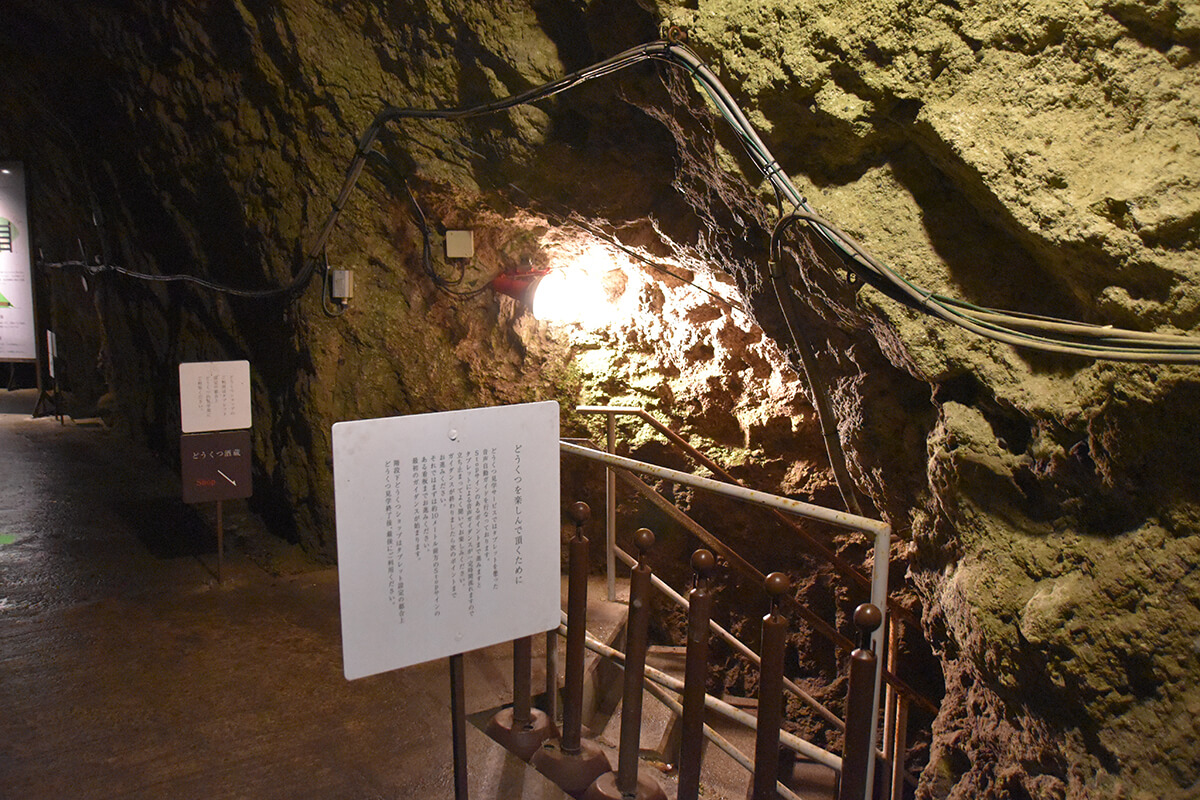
column 1046, row 334
column 1022, row 330
column 444, row 284
column 1053, row 335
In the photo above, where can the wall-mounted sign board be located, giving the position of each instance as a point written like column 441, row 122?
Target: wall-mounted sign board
column 447, row 532
column 215, row 466
column 214, row 395
column 18, row 330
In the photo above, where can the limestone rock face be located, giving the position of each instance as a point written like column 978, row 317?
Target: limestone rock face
column 1038, row 156
column 1039, row 159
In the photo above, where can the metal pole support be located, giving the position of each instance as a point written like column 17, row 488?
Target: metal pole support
column 695, row 677
column 575, row 763
column 522, row 728
column 770, row 692
column 860, row 703
column 627, row 783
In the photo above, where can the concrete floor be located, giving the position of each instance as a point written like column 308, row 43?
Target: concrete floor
column 126, row 671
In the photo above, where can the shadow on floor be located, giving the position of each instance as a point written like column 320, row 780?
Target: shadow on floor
column 168, row 527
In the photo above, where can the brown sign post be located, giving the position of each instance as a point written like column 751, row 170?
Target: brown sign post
column 215, row 467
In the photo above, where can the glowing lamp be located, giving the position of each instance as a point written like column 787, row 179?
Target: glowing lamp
column 581, row 292
column 520, row 286
column 560, row 295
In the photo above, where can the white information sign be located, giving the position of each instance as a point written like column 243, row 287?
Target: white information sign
column 447, row 532
column 214, row 396
column 51, row 350
column 18, row 332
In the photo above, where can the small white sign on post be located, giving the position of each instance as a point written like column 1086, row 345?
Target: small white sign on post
column 214, row 396
column 447, row 532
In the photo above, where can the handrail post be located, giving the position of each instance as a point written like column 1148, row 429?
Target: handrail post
column 899, row 746
column 891, row 697
column 628, row 782
column 551, row 697
column 860, row 709
column 576, row 631
column 522, row 678
column 610, row 512
column 770, row 692
column 880, row 566
column 695, row 677
column 576, row 762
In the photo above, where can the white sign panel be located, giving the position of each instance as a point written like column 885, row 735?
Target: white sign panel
column 18, row 333
column 447, row 532
column 214, row 396
column 51, row 350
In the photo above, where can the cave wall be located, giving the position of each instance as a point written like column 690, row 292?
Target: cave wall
column 1039, row 156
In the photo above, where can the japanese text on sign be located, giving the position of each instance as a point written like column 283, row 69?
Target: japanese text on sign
column 214, row 395
column 444, row 542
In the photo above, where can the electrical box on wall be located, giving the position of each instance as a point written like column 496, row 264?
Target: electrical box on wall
column 341, row 285
column 460, row 244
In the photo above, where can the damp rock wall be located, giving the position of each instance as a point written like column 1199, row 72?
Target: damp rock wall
column 1036, row 156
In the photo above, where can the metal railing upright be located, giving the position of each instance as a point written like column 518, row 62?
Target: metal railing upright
column 899, row 695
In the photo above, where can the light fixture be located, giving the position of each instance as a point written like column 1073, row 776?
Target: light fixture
column 582, row 291
column 570, row 295
column 520, row 286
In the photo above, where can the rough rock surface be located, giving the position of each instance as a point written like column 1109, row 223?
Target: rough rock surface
column 1039, row 156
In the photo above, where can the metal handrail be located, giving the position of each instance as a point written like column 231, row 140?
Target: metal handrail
column 740, row 646
column 880, row 531
column 893, row 736
column 898, row 692
column 654, row 680
column 843, row 567
column 741, row 564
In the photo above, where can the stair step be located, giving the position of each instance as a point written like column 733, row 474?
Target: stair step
column 659, row 726
column 606, row 623
column 603, row 685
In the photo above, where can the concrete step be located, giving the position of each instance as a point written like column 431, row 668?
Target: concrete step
column 660, row 726
column 606, row 623
column 722, row 777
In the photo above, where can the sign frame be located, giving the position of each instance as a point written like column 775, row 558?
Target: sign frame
column 425, row 517
column 215, row 466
